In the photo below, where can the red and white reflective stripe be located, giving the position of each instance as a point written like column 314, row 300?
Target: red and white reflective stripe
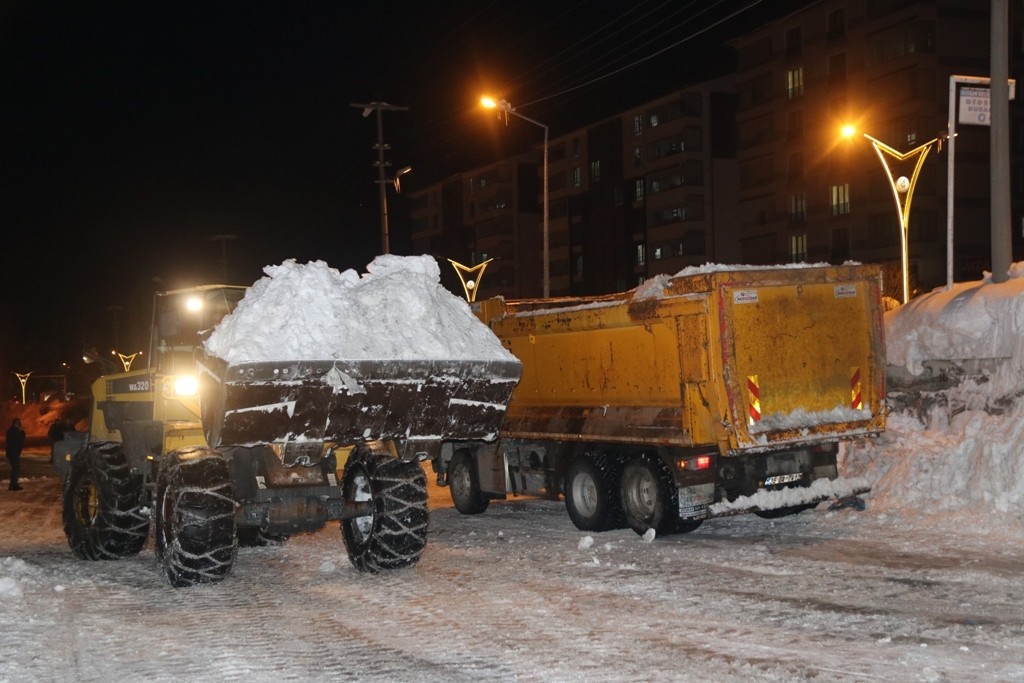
column 856, row 398
column 753, row 400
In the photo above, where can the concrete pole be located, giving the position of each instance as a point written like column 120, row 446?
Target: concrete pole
column 999, row 143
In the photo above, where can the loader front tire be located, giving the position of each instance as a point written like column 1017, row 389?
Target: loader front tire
column 104, row 515
column 195, row 517
column 592, row 496
column 394, row 534
column 649, row 498
column 464, row 485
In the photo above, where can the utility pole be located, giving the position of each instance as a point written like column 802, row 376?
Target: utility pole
column 381, row 165
column 999, row 143
column 223, row 239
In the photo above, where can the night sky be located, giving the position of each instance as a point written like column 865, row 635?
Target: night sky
column 134, row 132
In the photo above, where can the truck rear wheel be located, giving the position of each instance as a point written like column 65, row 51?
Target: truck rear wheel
column 104, row 516
column 592, row 496
column 464, row 485
column 394, row 534
column 195, row 517
column 649, row 498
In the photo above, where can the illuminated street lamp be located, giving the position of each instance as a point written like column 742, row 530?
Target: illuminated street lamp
column 504, row 106
column 23, row 378
column 470, row 277
column 126, row 360
column 902, row 191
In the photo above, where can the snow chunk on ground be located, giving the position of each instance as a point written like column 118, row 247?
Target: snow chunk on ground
column 397, row 310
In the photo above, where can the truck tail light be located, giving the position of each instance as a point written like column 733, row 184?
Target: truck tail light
column 698, row 462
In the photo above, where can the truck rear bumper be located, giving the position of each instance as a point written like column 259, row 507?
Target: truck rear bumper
column 819, row 490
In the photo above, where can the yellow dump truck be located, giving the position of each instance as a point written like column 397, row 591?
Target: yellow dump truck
column 713, row 392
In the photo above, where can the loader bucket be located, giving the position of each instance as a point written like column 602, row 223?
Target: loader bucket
column 421, row 402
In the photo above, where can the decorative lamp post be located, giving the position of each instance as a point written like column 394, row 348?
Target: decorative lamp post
column 902, row 191
column 470, row 286
column 504, row 107
column 126, row 360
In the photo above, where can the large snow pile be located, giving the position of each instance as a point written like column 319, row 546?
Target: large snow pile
column 396, row 310
column 963, row 457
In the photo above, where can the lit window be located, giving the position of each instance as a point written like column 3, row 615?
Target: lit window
column 795, row 83
column 641, row 255
column 841, row 199
column 798, row 248
column 639, row 196
column 577, row 177
column 638, row 125
column 595, row 171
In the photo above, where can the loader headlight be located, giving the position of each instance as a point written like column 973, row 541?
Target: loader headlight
column 186, row 385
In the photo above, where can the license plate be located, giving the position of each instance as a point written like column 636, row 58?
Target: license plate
column 694, row 500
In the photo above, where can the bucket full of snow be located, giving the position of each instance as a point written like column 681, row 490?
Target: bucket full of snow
column 314, row 355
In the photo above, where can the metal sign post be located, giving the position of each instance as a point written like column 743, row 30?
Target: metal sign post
column 974, row 110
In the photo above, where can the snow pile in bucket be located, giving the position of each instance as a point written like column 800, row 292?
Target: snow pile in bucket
column 397, row 310
column 964, row 456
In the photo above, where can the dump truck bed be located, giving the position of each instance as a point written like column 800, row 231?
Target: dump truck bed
column 421, row 403
column 746, row 359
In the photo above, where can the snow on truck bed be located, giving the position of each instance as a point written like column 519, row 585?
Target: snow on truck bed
column 397, row 310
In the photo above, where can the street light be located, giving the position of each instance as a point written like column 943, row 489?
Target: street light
column 504, row 106
column 902, row 191
column 126, row 359
column 23, row 378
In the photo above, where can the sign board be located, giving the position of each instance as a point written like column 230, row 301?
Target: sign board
column 975, row 109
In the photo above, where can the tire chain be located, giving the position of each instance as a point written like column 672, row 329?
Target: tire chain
column 400, row 525
column 121, row 525
column 187, row 561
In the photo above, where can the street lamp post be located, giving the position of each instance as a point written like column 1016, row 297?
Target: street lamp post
column 504, row 106
column 23, row 379
column 902, row 191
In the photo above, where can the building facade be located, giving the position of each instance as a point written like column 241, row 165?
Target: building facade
column 752, row 168
column 882, row 66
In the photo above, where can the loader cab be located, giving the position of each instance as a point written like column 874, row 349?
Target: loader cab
column 183, row 319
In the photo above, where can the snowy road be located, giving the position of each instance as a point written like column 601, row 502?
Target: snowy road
column 519, row 594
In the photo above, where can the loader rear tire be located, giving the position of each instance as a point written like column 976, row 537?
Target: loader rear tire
column 394, row 534
column 649, row 497
column 195, row 517
column 104, row 514
column 592, row 496
column 464, row 485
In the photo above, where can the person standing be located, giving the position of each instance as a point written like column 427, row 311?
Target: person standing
column 15, row 442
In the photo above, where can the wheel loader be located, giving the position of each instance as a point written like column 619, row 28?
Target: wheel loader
column 213, row 455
